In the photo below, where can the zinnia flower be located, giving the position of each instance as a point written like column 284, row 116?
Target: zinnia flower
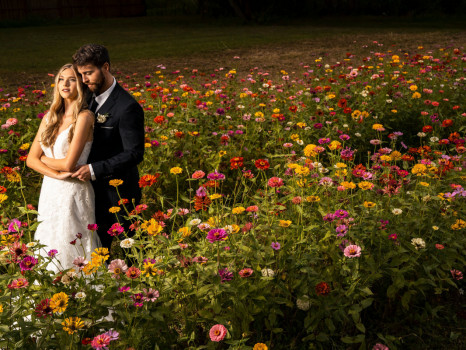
column 260, row 346
column 59, row 302
column 217, row 332
column 43, row 309
column 133, row 272
column 117, row 267
column 150, row 294
column 216, row 234
column 352, row 251
column 27, row 263
column 101, row 342
column 275, row 182
column 18, row 283
column 72, row 324
column 322, row 288
column 246, row 272
column 116, row 229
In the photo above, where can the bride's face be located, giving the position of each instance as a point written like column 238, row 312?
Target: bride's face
column 68, row 84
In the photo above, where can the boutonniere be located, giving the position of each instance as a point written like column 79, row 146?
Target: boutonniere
column 102, row 118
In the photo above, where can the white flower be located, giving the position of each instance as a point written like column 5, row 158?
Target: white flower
column 31, row 244
column 397, row 211
column 80, row 295
column 204, row 226
column 421, row 134
column 389, row 101
column 300, row 142
column 418, row 243
column 357, row 134
column 229, row 229
column 303, row 303
column 127, row 243
column 195, row 222
column 434, row 139
column 68, row 277
column 267, row 273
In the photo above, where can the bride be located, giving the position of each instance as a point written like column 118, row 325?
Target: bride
column 66, row 205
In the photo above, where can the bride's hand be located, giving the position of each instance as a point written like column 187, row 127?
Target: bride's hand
column 63, row 175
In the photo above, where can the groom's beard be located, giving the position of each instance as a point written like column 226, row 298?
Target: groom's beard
column 96, row 86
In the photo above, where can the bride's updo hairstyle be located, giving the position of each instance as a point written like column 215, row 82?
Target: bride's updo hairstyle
column 57, row 109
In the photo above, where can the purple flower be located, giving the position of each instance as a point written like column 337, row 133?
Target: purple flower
column 329, row 217
column 275, row 245
column 216, row 176
column 27, row 263
column 201, row 192
column 114, row 335
column 217, row 234
column 220, row 111
column 225, row 275
column 341, row 230
column 52, row 252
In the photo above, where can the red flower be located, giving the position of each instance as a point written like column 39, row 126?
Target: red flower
column 342, row 103
column 347, row 110
column 293, row 108
column 322, row 288
column 427, row 128
column 262, row 164
column 148, row 180
column 236, row 162
column 447, row 122
column 160, row 119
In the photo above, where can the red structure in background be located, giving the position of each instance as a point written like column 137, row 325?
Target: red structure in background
column 13, row 10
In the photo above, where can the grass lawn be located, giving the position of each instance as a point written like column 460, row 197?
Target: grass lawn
column 140, row 44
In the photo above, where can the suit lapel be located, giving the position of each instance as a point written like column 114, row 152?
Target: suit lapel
column 105, row 108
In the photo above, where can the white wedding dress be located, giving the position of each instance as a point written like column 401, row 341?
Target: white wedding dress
column 66, row 207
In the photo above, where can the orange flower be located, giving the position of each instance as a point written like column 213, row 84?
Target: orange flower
column 148, row 180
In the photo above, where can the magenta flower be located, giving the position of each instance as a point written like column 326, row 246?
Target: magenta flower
column 275, row 182
column 352, row 251
column 216, row 176
column 52, row 253
column 138, row 299
column 217, row 332
column 275, row 245
column 225, row 275
column 217, row 234
column 329, row 217
column 116, row 229
column 124, row 289
column 201, row 192
column 341, row 230
column 27, row 263
column 14, row 226
column 92, row 227
column 341, row 214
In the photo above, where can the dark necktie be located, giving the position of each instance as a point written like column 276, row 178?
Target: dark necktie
column 93, row 105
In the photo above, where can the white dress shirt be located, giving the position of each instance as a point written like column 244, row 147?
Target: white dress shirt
column 100, row 100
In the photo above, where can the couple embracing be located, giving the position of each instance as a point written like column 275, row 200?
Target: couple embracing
column 93, row 133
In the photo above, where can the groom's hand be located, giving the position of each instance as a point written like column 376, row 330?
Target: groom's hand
column 82, row 173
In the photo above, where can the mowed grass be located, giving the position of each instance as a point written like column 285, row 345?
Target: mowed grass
column 139, row 44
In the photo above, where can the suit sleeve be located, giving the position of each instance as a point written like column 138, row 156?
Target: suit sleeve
column 131, row 129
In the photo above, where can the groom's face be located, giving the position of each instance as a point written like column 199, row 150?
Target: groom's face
column 93, row 77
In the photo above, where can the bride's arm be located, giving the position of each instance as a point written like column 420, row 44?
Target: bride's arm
column 82, row 130
column 33, row 160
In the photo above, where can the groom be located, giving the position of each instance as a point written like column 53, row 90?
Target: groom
column 118, row 145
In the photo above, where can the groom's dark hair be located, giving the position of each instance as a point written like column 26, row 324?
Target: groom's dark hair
column 91, row 54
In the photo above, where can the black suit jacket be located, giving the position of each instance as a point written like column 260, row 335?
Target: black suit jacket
column 117, row 149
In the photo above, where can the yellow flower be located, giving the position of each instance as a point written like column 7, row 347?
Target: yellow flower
column 313, row 199
column 115, row 182
column 72, row 324
column 149, row 269
column 356, row 114
column 222, row 153
column 369, row 204
column 378, row 127
column 213, row 222
column 99, row 255
column 114, row 210
column 342, row 172
column 163, row 138
column 419, row 170
column 425, row 184
column 185, row 231
column 458, row 225
column 334, row 145
column 3, row 197
column 176, row 170
column 303, row 171
column 152, row 227
column 1, row 308
column 90, row 268
column 365, row 185
column 285, row 223
column 309, row 150
column 348, row 185
column 259, row 114
column 13, row 177
column 294, row 137
column 413, row 87
column 260, row 346
column 238, row 210
column 416, row 95
column 215, row 196
column 24, row 146
column 394, row 111
column 395, row 155
column 59, row 302
column 340, row 165
column 301, row 125
column 385, row 158
column 235, row 228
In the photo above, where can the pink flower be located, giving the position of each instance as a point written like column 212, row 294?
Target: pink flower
column 352, row 251
column 150, row 294
column 80, row 262
column 18, row 283
column 27, row 263
column 115, row 230
column 275, row 245
column 246, row 272
column 252, row 209
column 379, row 346
column 133, row 272
column 198, row 174
column 275, row 182
column 101, row 342
column 217, row 332
column 124, row 289
column 52, row 253
column 117, row 267
column 457, row 275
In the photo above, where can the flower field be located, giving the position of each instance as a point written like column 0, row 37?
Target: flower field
column 322, row 207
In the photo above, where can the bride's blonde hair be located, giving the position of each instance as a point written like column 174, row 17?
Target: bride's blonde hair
column 57, row 109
